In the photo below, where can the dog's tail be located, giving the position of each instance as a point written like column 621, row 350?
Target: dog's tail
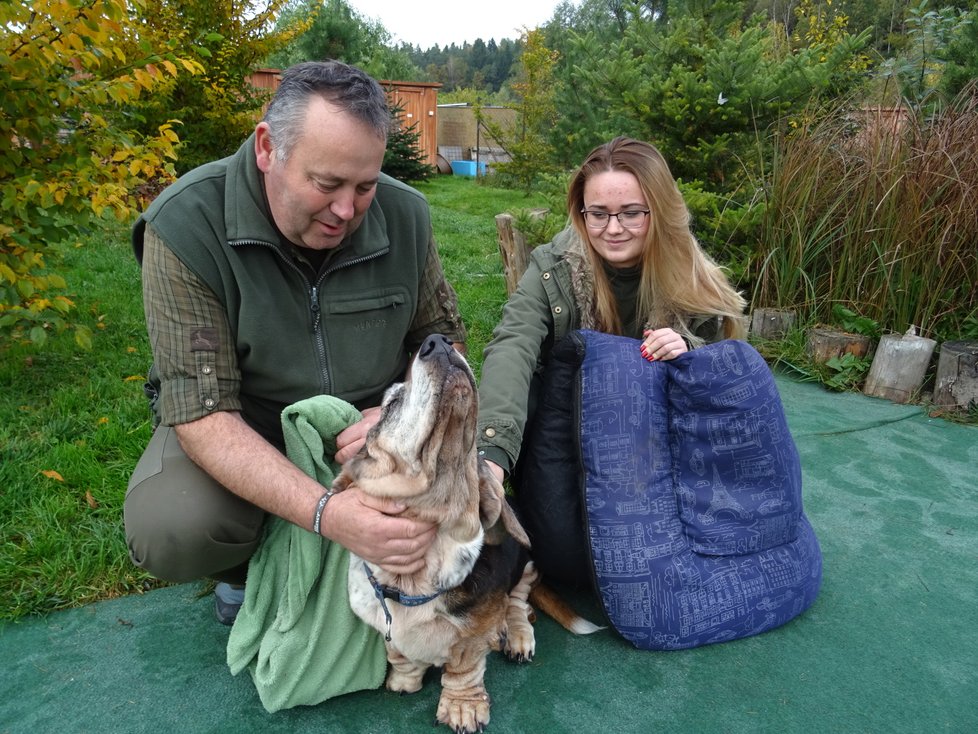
column 550, row 603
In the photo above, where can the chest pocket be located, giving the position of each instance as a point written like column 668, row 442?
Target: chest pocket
column 366, row 303
column 364, row 335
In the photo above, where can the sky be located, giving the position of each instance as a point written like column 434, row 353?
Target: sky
column 425, row 23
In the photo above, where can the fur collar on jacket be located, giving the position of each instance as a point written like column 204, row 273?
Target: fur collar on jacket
column 582, row 279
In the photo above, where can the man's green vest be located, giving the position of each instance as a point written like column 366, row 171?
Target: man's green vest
column 343, row 331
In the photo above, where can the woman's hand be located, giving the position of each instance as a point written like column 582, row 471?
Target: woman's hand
column 662, row 344
column 497, row 471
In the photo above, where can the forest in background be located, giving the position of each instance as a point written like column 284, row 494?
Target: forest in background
column 485, row 67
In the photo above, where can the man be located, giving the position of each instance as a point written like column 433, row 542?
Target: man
column 289, row 269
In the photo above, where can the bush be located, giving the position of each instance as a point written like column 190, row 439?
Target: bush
column 63, row 163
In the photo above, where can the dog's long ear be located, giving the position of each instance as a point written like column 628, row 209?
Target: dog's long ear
column 341, row 482
column 493, row 506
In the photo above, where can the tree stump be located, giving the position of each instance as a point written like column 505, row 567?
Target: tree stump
column 512, row 249
column 899, row 367
column 825, row 343
column 771, row 323
column 957, row 374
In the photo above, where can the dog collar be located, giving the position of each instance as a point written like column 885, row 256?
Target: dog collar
column 396, row 595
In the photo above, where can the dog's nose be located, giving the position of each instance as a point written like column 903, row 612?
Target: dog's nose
column 434, row 345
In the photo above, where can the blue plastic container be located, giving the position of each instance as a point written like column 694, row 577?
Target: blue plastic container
column 464, row 168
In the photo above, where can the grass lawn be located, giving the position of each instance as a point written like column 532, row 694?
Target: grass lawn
column 73, row 423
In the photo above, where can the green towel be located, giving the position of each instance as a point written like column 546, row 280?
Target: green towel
column 296, row 632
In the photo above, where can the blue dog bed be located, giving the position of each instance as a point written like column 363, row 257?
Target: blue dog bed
column 673, row 487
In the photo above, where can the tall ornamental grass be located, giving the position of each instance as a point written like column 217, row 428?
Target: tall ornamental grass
column 878, row 215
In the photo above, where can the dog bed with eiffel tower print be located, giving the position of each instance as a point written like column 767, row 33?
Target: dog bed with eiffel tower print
column 692, row 497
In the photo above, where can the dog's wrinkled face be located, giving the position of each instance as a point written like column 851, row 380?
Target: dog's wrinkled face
column 430, row 417
column 422, row 450
column 426, row 428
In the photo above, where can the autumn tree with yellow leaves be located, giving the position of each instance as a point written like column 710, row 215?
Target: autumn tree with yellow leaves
column 229, row 39
column 64, row 160
column 102, row 98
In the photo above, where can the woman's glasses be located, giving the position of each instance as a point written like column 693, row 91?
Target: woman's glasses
column 631, row 219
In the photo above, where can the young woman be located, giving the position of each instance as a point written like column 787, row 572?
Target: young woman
column 627, row 264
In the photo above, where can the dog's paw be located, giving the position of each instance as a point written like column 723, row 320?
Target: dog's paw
column 466, row 714
column 517, row 656
column 404, row 682
column 519, row 644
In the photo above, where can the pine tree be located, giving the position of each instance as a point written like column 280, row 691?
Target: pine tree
column 404, row 159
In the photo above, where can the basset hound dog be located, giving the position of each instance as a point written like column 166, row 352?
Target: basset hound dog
column 474, row 593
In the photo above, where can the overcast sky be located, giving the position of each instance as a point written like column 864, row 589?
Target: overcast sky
column 425, row 23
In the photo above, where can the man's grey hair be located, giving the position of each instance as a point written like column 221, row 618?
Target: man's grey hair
column 347, row 87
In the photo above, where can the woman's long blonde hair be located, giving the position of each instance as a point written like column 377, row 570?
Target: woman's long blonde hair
column 679, row 279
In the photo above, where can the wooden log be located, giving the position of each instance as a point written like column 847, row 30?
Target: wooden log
column 771, row 323
column 956, row 384
column 899, row 367
column 823, row 343
column 512, row 249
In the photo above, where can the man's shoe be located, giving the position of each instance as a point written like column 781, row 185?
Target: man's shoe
column 227, row 601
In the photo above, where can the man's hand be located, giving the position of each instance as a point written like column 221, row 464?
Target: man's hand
column 375, row 530
column 237, row 457
column 351, row 438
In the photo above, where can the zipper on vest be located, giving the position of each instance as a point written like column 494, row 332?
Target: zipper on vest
column 339, row 266
column 316, row 313
column 314, row 310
